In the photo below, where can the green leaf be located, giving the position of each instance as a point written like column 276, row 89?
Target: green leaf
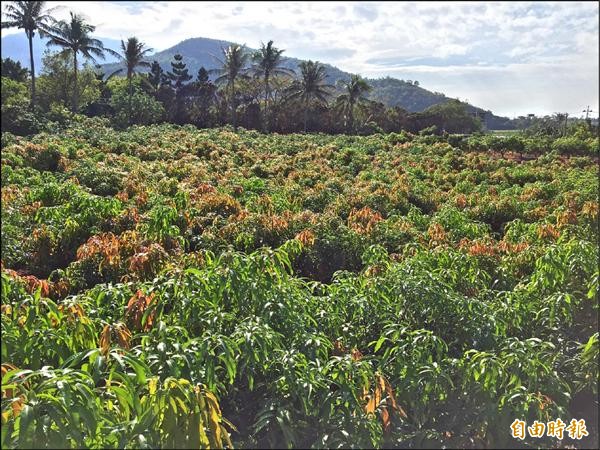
column 26, row 419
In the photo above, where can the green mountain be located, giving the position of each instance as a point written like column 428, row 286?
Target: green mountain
column 391, row 91
column 16, row 46
column 205, row 52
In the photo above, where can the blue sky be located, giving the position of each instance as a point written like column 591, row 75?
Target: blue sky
column 510, row 57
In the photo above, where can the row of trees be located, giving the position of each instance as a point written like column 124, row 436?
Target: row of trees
column 254, row 90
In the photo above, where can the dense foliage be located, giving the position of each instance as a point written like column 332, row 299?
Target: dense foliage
column 254, row 90
column 165, row 286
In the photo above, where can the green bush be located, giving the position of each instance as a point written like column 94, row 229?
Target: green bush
column 17, row 118
column 144, row 109
column 101, row 180
column 571, row 145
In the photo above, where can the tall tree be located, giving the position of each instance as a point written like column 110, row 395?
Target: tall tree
column 30, row 16
column 311, row 88
column 101, row 107
column 155, row 76
column 177, row 83
column 202, row 76
column 267, row 63
column 74, row 37
column 179, row 75
column 232, row 68
column 132, row 55
column 55, row 82
column 12, row 69
column 354, row 93
column 204, row 96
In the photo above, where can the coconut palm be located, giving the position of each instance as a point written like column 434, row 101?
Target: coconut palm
column 267, row 63
column 311, row 87
column 132, row 55
column 29, row 16
column 74, row 36
column 232, row 69
column 355, row 90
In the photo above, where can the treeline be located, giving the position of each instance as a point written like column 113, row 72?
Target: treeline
column 250, row 89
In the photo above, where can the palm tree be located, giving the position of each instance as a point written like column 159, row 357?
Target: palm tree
column 311, row 87
column 232, row 69
column 29, row 16
column 355, row 90
column 267, row 64
column 74, row 36
column 133, row 53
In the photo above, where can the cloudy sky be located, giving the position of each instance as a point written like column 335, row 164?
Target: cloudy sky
column 512, row 58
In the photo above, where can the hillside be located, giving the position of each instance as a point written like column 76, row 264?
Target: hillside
column 205, row 52
column 392, row 91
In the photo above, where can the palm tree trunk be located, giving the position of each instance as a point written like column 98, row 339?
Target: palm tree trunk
column 31, row 64
column 130, row 95
column 233, row 109
column 75, row 87
column 351, row 118
column 65, row 90
column 266, row 104
column 305, row 115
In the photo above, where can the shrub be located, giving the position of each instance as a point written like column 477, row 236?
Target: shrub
column 43, row 157
column 17, row 118
column 571, row 145
column 144, row 109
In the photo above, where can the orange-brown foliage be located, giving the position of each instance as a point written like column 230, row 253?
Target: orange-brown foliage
column 118, row 334
column 307, row 238
column 363, row 220
column 436, row 233
column 136, row 307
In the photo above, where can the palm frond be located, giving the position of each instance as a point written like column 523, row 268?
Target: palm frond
column 112, row 52
column 10, row 24
column 91, row 42
column 57, row 41
column 115, row 73
column 219, row 80
column 92, row 53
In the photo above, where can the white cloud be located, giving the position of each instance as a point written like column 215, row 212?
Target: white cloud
column 515, row 55
column 450, row 49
